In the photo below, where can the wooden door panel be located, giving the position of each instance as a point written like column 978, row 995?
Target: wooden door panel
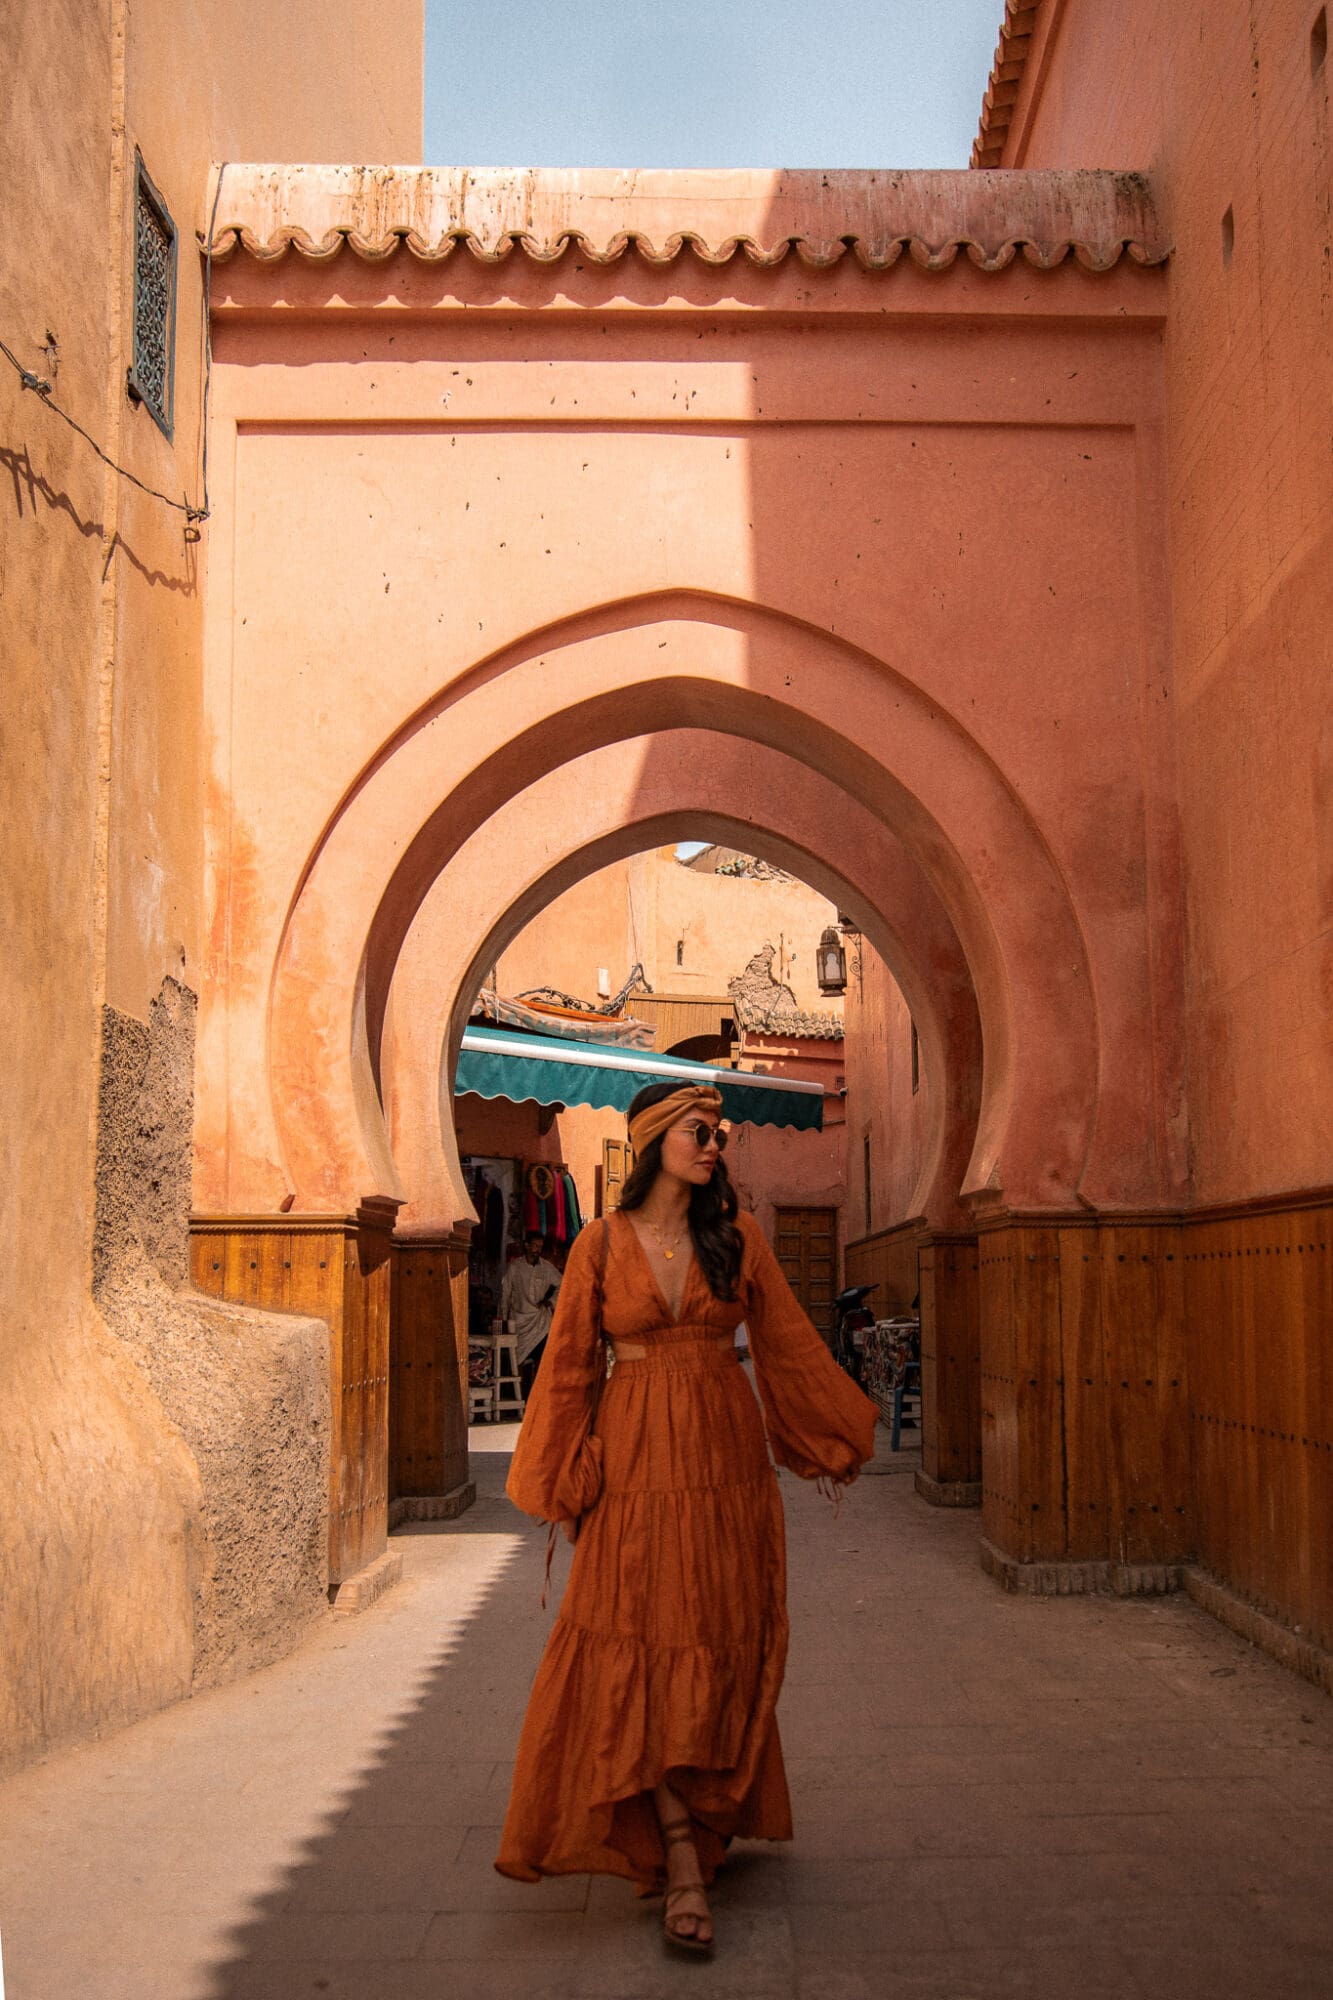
column 805, row 1242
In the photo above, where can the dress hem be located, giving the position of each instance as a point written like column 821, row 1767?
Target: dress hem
column 603, row 1859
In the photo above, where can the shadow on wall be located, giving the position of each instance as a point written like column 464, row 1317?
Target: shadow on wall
column 246, row 1391
column 26, row 483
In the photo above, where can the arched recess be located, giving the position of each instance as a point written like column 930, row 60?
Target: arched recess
column 699, row 1048
column 614, row 802
column 650, row 666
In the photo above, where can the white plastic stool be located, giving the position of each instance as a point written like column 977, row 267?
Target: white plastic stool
column 506, row 1383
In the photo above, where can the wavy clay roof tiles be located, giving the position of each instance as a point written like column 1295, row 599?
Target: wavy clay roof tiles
column 820, row 218
column 794, row 1022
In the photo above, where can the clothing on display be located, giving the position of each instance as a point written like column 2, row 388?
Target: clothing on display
column 495, row 1225
column 550, row 1204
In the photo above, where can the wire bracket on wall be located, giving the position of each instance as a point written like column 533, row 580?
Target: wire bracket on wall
column 44, row 390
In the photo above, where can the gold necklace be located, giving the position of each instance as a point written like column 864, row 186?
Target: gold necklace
column 668, row 1249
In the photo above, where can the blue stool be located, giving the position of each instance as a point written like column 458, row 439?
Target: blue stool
column 910, row 1386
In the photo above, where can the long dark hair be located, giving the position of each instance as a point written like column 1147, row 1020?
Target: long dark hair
column 712, row 1211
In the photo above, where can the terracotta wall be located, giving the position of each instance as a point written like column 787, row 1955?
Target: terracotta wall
column 1228, row 108
column 885, row 1111
column 721, row 921
column 1222, row 105
column 113, row 1531
column 775, row 1166
column 592, row 924
column 643, row 908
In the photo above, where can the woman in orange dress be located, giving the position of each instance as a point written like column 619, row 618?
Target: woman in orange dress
column 651, row 1737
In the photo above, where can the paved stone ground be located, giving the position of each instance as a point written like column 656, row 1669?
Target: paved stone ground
column 994, row 1796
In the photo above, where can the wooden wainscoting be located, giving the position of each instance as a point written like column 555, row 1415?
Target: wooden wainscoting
column 939, row 1270
column 888, row 1261
column 1259, row 1330
column 428, row 1367
column 950, row 1370
column 1085, row 1396
column 336, row 1268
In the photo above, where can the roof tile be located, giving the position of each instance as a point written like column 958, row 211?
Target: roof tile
column 931, row 217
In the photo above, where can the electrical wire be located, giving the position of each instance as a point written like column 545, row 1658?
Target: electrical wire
column 44, row 393
column 41, row 388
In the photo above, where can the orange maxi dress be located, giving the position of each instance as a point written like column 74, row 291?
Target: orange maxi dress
column 667, row 1654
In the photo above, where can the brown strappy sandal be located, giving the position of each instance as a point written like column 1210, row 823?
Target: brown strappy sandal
column 674, row 1833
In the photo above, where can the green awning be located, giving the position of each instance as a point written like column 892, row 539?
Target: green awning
column 492, row 1063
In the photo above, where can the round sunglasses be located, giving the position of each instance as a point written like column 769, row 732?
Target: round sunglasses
column 705, row 1135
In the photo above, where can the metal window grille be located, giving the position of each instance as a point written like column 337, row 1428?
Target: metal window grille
column 152, row 374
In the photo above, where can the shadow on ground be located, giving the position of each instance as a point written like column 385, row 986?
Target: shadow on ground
column 994, row 1796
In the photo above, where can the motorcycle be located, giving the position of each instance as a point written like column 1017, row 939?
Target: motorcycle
column 853, row 1317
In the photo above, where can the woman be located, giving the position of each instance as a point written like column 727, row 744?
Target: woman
column 650, row 1736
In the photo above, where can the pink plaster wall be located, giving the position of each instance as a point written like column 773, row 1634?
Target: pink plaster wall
column 478, row 493
column 606, row 802
column 590, row 925
column 1222, row 104
column 640, row 909
column 882, row 1106
column 776, row 1167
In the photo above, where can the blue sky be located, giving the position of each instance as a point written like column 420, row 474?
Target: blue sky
column 706, row 83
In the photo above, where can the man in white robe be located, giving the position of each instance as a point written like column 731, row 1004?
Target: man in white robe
column 527, row 1303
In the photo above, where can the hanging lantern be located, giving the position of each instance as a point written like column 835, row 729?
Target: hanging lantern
column 832, row 962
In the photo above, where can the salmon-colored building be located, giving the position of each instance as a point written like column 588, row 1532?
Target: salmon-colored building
column 958, row 541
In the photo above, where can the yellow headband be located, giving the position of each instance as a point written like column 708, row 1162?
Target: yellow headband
column 652, row 1122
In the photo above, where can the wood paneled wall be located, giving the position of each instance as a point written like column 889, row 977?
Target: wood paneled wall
column 1084, row 1393
column 1138, row 1394
column 950, row 1360
column 428, row 1367
column 886, row 1260
column 1259, row 1331
column 336, row 1268
column 913, row 1262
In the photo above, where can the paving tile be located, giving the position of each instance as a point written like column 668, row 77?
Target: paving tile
column 474, row 1885
column 540, row 1935
column 367, row 1868
column 425, row 1796
column 981, row 1975
column 346, row 1938
column 753, row 1960
column 994, row 1797
column 898, row 1922
column 331, row 1979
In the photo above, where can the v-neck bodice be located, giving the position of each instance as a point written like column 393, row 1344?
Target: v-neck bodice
column 634, row 1306
column 676, row 1318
